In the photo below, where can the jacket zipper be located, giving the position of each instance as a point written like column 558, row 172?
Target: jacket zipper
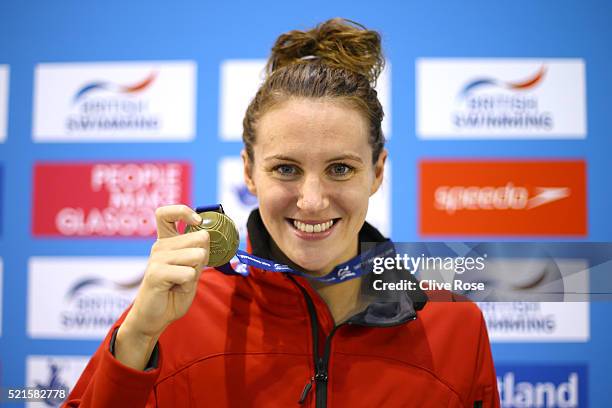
column 322, row 370
column 321, row 363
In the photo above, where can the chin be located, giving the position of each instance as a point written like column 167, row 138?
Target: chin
column 308, row 260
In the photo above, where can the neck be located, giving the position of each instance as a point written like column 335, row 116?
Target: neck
column 342, row 298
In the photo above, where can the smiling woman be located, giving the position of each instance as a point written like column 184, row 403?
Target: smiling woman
column 312, row 173
column 314, row 154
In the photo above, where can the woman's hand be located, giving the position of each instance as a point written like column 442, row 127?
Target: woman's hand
column 169, row 285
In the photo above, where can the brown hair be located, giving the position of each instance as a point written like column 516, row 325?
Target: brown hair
column 337, row 59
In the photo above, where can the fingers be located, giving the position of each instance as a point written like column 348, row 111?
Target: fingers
column 197, row 239
column 176, row 277
column 167, row 216
column 193, row 257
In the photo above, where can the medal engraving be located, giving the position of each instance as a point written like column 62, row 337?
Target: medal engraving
column 223, row 234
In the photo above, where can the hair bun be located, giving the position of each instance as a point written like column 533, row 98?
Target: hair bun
column 337, row 42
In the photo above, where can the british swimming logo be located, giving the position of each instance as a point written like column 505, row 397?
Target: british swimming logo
column 488, row 82
column 501, row 98
column 92, row 87
column 91, row 293
column 89, row 283
column 114, row 101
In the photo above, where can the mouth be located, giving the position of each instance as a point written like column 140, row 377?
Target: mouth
column 313, row 229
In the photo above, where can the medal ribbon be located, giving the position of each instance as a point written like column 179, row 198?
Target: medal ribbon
column 351, row 269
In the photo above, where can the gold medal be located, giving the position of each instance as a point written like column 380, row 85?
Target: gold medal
column 223, row 234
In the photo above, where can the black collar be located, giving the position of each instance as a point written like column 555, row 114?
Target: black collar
column 387, row 308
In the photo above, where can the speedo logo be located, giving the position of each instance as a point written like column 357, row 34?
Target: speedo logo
column 503, row 197
column 506, row 197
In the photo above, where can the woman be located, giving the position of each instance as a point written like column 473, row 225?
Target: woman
column 314, row 154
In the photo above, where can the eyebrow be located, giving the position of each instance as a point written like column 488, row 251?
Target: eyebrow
column 347, row 156
column 280, row 157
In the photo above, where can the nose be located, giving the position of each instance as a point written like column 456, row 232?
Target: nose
column 313, row 197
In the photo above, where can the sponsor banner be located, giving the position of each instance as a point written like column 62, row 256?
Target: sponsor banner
column 503, row 197
column 240, row 80
column 238, row 202
column 543, row 385
column 501, row 98
column 545, row 279
column 379, row 210
column 80, row 297
column 106, row 199
column 4, row 94
column 145, row 101
column 233, row 194
column 537, row 321
column 53, row 373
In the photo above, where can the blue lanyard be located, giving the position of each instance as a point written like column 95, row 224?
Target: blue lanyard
column 351, row 269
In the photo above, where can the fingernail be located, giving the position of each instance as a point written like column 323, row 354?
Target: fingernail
column 197, row 218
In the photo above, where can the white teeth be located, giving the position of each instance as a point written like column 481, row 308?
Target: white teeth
column 313, row 227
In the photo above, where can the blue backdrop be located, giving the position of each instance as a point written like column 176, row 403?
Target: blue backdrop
column 209, row 33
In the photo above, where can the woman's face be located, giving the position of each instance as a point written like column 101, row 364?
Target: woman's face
column 313, row 175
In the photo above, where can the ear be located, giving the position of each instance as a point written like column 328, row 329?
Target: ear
column 248, row 172
column 379, row 171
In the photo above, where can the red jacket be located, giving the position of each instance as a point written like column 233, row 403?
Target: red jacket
column 269, row 341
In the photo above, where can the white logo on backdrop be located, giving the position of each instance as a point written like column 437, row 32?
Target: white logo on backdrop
column 115, row 102
column 506, row 197
column 54, row 373
column 379, row 210
column 500, row 98
column 552, row 321
column 4, row 93
column 240, row 80
column 537, row 391
column 238, row 202
column 80, row 297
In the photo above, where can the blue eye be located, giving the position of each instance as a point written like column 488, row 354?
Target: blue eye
column 286, row 170
column 341, row 170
